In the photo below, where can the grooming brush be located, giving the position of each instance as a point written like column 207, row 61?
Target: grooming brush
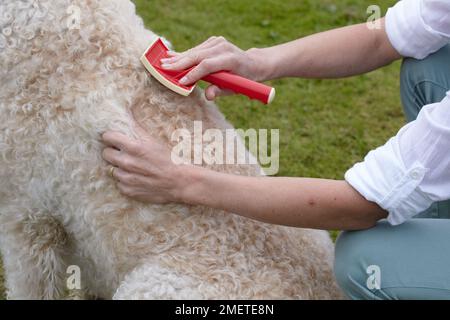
column 222, row 79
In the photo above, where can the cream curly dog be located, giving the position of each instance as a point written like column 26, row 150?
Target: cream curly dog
column 61, row 86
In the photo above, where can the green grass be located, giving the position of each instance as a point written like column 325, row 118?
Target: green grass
column 325, row 125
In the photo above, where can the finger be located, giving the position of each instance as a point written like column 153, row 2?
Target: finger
column 132, row 192
column 120, row 141
column 206, row 67
column 125, row 189
column 111, row 156
column 171, row 57
column 128, row 178
column 212, row 92
column 118, row 174
column 172, row 54
column 175, row 57
column 118, row 159
column 125, row 161
column 193, row 58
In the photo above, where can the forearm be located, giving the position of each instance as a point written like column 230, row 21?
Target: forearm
column 298, row 202
column 336, row 53
column 145, row 172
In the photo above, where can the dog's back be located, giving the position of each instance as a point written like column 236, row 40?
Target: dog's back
column 70, row 70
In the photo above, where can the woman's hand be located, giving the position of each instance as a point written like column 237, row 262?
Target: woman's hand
column 143, row 168
column 216, row 54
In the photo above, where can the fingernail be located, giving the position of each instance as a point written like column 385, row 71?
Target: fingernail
column 166, row 66
column 184, row 80
column 165, row 60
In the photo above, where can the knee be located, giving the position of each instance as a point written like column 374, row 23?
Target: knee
column 350, row 267
column 412, row 73
column 418, row 75
column 425, row 69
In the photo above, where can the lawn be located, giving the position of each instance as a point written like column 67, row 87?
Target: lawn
column 325, row 125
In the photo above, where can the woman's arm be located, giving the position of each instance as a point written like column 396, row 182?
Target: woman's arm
column 336, row 53
column 297, row 202
column 332, row 54
column 145, row 172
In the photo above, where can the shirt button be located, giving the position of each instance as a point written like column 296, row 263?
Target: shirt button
column 415, row 174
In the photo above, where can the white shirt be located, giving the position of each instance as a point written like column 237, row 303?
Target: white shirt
column 412, row 170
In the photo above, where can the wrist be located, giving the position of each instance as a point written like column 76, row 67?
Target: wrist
column 188, row 184
column 262, row 67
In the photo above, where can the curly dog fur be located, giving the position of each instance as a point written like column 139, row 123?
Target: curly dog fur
column 60, row 88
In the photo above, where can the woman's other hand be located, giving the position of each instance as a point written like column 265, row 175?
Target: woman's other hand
column 143, row 168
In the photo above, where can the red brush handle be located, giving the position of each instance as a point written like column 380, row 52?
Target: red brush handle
column 237, row 84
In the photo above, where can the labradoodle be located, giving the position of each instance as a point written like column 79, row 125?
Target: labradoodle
column 69, row 71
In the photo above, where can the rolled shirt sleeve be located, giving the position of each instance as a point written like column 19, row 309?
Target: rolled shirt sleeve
column 412, row 170
column 417, row 28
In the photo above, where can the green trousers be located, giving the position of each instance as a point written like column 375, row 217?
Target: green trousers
column 412, row 260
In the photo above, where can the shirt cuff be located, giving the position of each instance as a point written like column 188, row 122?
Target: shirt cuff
column 383, row 179
column 408, row 32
